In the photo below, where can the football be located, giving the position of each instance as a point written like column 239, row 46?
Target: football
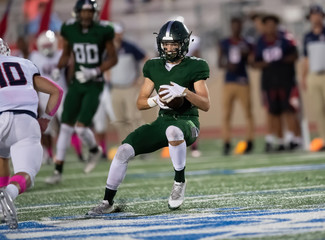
column 173, row 104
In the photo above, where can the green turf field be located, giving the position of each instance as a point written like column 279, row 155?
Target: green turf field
column 276, row 196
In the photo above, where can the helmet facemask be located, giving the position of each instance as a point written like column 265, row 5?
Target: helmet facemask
column 173, row 32
column 4, row 48
column 90, row 5
column 171, row 50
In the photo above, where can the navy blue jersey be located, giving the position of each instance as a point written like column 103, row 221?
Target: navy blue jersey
column 277, row 73
column 235, row 52
column 129, row 48
column 311, row 37
column 127, row 70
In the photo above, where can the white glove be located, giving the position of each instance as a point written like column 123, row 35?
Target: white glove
column 172, row 91
column 56, row 74
column 155, row 100
column 86, row 74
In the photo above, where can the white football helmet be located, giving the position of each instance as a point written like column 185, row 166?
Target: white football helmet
column 4, row 48
column 47, row 43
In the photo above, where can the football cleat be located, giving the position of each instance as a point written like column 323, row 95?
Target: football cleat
column 177, row 195
column 2, row 216
column 55, row 178
column 103, row 208
column 8, row 209
column 93, row 160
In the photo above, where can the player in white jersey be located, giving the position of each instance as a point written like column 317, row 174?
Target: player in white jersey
column 46, row 57
column 20, row 130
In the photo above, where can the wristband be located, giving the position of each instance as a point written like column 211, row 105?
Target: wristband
column 46, row 116
column 151, row 102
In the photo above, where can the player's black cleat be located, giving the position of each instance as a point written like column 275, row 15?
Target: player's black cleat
column 268, row 147
column 226, row 148
column 249, row 147
column 280, row 148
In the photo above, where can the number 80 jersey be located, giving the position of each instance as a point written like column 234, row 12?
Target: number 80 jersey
column 87, row 45
column 16, row 84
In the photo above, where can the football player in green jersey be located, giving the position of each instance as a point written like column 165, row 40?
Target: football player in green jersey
column 87, row 39
column 179, row 76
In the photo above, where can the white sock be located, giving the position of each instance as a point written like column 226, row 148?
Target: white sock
column 269, row 138
column 12, row 190
column 178, row 156
column 64, row 141
column 117, row 170
column 87, row 136
column 288, row 137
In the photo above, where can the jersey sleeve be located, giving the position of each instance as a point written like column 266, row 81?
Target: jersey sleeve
column 108, row 32
column 291, row 47
column 34, row 70
column 258, row 51
column 63, row 31
column 201, row 71
column 137, row 53
column 146, row 71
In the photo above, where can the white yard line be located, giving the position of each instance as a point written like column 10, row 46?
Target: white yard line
column 201, row 198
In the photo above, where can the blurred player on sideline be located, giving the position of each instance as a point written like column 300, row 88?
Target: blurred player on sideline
column 180, row 76
column 20, row 130
column 276, row 54
column 46, row 58
column 87, row 39
column 313, row 66
column 233, row 57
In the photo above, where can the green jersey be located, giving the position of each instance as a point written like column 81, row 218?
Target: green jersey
column 186, row 73
column 87, row 45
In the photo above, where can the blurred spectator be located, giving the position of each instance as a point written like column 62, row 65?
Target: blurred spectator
column 276, row 55
column 55, row 22
column 313, row 73
column 125, row 81
column 33, row 19
column 233, row 55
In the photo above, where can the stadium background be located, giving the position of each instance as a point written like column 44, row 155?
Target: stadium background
column 208, row 19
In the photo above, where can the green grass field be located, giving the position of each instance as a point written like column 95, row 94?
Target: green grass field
column 275, row 196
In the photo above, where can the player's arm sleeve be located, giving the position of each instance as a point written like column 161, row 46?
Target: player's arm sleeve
column 109, row 33
column 146, row 72
column 258, row 53
column 34, row 71
column 202, row 71
column 138, row 53
column 64, row 31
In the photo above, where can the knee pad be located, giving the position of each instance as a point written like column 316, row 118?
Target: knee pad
column 67, row 128
column 124, row 153
column 80, row 131
column 174, row 134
